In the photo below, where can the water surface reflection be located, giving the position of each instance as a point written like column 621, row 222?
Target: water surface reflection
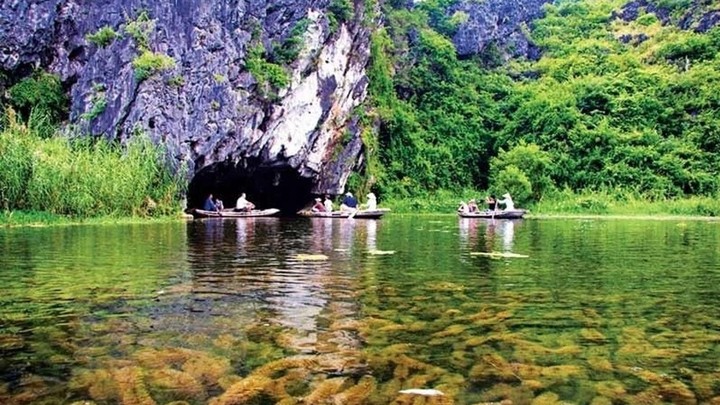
column 353, row 311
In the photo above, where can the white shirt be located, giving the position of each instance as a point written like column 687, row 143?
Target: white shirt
column 372, row 202
column 242, row 203
column 328, row 205
column 509, row 204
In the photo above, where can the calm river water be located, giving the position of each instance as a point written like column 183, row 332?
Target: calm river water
column 313, row 311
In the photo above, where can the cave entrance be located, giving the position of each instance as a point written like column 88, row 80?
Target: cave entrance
column 266, row 187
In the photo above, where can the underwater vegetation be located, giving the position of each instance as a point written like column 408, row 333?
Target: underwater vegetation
column 472, row 353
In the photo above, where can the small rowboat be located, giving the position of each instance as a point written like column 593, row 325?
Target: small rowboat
column 230, row 213
column 366, row 214
column 500, row 214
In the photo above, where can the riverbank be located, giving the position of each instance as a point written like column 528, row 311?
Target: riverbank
column 9, row 219
column 561, row 205
column 568, row 204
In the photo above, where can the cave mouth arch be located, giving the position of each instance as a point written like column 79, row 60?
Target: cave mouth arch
column 267, row 187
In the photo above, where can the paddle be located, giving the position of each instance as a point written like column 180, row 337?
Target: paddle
column 352, row 214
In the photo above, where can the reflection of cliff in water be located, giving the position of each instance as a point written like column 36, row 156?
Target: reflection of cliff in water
column 256, row 270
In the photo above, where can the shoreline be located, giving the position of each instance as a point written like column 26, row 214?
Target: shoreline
column 43, row 220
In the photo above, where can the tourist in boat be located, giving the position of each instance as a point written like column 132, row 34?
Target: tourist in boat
column 349, row 203
column 328, row 204
column 491, row 202
column 472, row 206
column 210, row 204
column 219, row 204
column 318, row 207
column 243, row 205
column 508, row 202
column 372, row 201
column 463, row 208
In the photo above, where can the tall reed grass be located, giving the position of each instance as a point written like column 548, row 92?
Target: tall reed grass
column 81, row 177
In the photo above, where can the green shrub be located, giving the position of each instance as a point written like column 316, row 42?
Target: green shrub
column 176, row 81
column 148, row 63
column 291, row 47
column 103, row 37
column 43, row 93
column 533, row 162
column 647, row 19
column 98, row 105
column 339, row 11
column 270, row 76
column 140, row 30
column 514, row 181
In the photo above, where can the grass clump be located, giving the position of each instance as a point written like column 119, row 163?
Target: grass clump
column 82, row 178
column 148, row 63
column 103, row 37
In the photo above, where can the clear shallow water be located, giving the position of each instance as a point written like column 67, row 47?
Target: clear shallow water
column 272, row 310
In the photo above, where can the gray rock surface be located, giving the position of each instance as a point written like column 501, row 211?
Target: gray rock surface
column 498, row 22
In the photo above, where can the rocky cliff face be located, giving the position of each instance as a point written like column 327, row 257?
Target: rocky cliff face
column 217, row 119
column 497, row 26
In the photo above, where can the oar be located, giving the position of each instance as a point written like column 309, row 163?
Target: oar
column 352, row 214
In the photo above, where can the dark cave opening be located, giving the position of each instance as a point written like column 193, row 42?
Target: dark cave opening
column 266, row 187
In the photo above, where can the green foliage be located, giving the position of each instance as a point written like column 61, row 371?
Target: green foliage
column 82, row 178
column 176, row 81
column 524, row 164
column 339, row 11
column 647, row 19
column 140, row 30
column 291, row 47
column 592, row 114
column 512, row 180
column 103, row 37
column 41, row 94
column 148, row 63
column 98, row 103
column 270, row 76
column 98, row 107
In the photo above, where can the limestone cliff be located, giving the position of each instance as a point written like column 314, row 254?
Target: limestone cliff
column 207, row 107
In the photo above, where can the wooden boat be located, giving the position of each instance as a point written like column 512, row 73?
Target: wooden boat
column 366, row 214
column 499, row 214
column 230, row 213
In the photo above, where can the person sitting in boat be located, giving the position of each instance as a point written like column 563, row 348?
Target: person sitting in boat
column 472, row 206
column 243, row 205
column 210, row 204
column 491, row 202
column 372, row 201
column 219, row 204
column 328, row 204
column 463, row 208
column 318, row 207
column 349, row 203
column 508, row 202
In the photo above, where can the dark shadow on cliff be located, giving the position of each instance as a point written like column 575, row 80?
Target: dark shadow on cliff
column 267, row 187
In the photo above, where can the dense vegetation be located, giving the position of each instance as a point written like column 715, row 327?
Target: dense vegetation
column 637, row 116
column 43, row 170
